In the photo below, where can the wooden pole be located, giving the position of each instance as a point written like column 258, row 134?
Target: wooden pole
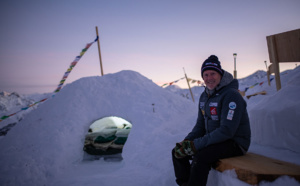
column 99, row 51
column 189, row 85
column 274, row 59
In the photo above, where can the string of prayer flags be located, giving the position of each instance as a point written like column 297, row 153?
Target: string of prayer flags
column 194, row 81
column 256, row 84
column 190, row 80
column 65, row 76
column 73, row 64
column 172, row 82
column 25, row 108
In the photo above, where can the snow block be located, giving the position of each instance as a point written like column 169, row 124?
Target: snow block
column 253, row 168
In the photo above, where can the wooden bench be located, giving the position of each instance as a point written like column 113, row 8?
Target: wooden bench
column 253, row 168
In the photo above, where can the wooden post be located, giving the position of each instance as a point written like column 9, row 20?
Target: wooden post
column 269, row 72
column 274, row 58
column 189, row 85
column 99, row 51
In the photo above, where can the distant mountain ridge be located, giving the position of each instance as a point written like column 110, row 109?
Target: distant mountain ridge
column 256, row 75
column 10, row 100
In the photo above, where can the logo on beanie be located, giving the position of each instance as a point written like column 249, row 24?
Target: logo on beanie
column 211, row 63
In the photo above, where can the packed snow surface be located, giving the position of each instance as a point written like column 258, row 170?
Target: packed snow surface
column 45, row 147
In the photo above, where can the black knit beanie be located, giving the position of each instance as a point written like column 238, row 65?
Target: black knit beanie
column 212, row 63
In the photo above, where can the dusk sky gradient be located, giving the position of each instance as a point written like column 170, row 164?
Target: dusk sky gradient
column 39, row 39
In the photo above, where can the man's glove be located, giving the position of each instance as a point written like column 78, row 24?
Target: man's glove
column 185, row 148
column 189, row 147
column 178, row 151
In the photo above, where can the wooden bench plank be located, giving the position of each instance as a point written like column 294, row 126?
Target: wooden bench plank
column 253, row 168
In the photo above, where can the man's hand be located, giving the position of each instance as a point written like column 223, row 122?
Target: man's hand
column 189, row 147
column 178, row 151
column 184, row 148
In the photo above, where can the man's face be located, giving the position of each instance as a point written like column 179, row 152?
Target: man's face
column 211, row 79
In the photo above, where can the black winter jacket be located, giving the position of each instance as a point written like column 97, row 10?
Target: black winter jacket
column 222, row 116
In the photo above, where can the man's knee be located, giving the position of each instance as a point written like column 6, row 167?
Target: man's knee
column 204, row 157
column 173, row 152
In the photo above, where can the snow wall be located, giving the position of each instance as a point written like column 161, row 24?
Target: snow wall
column 50, row 138
column 275, row 117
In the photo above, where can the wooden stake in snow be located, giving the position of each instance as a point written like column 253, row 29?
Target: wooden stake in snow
column 188, row 85
column 99, row 51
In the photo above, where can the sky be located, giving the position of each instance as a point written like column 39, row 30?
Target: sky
column 39, row 39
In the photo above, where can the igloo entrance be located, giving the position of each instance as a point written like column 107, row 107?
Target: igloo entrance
column 106, row 138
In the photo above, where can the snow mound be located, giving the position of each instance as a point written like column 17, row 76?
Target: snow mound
column 196, row 90
column 278, row 116
column 50, row 139
column 173, row 88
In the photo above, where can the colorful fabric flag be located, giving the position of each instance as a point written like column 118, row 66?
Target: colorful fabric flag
column 72, row 65
column 256, row 84
column 172, row 82
column 65, row 76
column 189, row 79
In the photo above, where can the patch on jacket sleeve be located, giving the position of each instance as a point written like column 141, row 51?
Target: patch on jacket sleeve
column 232, row 105
column 230, row 114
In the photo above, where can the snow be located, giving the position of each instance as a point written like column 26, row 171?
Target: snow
column 45, row 147
column 10, row 103
column 196, row 90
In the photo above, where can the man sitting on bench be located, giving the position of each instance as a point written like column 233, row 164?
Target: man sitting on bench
column 222, row 129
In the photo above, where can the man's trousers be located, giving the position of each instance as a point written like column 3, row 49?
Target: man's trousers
column 195, row 173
